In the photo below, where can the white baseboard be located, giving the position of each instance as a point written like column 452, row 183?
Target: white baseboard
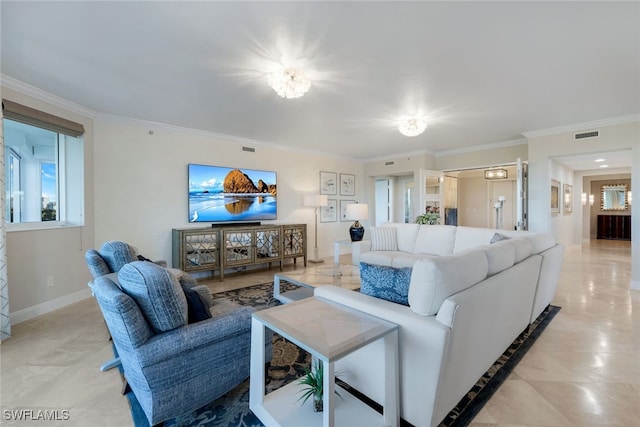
column 46, row 307
column 635, row 285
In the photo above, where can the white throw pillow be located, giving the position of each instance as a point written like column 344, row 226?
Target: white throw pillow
column 384, row 239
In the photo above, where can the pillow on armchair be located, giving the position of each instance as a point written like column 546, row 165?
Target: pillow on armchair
column 157, row 292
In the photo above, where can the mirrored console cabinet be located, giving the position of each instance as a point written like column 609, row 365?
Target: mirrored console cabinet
column 229, row 246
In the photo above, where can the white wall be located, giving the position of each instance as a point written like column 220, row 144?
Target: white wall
column 563, row 223
column 141, row 182
column 33, row 256
column 473, row 194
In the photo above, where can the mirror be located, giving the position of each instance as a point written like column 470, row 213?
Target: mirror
column 614, row 198
column 432, row 185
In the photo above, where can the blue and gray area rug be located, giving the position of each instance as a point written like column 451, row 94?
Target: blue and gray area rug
column 289, row 362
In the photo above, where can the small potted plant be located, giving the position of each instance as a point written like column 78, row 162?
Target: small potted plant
column 312, row 381
column 431, row 216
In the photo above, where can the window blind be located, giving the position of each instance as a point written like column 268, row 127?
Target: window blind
column 20, row 113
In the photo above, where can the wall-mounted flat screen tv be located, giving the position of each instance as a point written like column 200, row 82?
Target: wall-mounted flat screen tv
column 220, row 194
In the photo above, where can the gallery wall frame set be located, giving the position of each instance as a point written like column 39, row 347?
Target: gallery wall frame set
column 561, row 198
column 343, row 209
column 347, row 184
column 329, row 184
column 329, row 213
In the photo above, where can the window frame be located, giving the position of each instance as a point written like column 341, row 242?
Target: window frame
column 74, row 157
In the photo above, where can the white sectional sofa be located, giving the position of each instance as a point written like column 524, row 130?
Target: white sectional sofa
column 468, row 300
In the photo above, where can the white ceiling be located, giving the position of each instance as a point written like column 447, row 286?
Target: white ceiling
column 482, row 72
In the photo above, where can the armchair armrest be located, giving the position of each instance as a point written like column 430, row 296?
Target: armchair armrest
column 204, row 333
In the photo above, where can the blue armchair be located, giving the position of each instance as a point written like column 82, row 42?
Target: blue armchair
column 171, row 366
column 115, row 254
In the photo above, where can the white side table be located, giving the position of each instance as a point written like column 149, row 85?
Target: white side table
column 336, row 250
column 328, row 331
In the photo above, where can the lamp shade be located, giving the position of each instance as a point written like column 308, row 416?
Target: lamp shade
column 315, row 200
column 357, row 211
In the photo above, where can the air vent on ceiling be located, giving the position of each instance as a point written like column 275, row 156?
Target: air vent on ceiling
column 389, row 163
column 249, row 149
column 586, row 135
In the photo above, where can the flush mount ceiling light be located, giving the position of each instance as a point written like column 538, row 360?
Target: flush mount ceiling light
column 496, row 174
column 289, row 82
column 412, row 126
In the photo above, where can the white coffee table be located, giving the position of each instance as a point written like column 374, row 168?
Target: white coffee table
column 328, row 331
column 349, row 278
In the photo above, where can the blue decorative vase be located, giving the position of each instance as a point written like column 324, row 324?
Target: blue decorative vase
column 356, row 231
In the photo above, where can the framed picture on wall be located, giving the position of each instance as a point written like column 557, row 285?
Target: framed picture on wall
column 555, row 196
column 567, row 198
column 329, row 213
column 347, row 184
column 329, row 183
column 343, row 209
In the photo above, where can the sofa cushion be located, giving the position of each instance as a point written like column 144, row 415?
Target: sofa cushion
column 435, row 239
column 541, row 242
column 407, row 234
column 522, row 246
column 157, row 292
column 384, row 238
column 435, row 279
column 388, row 283
column 472, row 237
column 500, row 256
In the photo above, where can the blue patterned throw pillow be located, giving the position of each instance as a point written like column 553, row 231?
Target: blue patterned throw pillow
column 388, row 283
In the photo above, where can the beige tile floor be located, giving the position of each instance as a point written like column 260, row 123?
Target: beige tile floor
column 583, row 371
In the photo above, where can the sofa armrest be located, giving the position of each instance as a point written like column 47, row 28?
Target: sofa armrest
column 357, row 249
column 422, row 353
column 204, row 333
column 390, row 311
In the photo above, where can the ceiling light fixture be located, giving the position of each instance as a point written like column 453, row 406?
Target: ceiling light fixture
column 496, row 174
column 413, row 126
column 289, row 82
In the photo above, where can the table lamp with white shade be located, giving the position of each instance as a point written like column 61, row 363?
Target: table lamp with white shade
column 357, row 212
column 316, row 201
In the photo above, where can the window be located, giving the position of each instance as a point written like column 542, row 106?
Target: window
column 43, row 174
column 49, row 190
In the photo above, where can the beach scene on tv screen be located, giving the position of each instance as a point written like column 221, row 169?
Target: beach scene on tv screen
column 231, row 194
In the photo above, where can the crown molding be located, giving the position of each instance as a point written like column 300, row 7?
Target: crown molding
column 396, row 156
column 583, row 126
column 44, row 96
column 483, row 147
